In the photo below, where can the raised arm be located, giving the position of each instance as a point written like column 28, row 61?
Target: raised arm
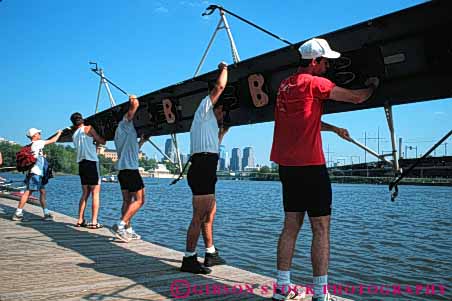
column 133, row 107
column 220, row 84
column 355, row 96
column 54, row 138
column 99, row 140
column 221, row 132
column 343, row 133
column 143, row 139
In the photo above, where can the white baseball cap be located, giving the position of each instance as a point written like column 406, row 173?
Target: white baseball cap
column 31, row 132
column 315, row 48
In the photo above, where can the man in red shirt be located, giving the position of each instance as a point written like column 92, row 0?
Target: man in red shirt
column 297, row 148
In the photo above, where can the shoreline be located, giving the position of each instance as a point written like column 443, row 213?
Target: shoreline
column 354, row 180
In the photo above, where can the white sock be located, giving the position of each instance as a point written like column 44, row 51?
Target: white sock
column 46, row 211
column 129, row 230
column 121, row 224
column 283, row 279
column 320, row 283
column 189, row 254
column 19, row 211
column 211, row 249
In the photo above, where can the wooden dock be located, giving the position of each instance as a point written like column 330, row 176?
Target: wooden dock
column 53, row 260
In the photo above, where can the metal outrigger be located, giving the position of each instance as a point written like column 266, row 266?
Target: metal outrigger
column 103, row 81
column 222, row 24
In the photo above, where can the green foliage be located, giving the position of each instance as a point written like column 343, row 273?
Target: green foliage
column 265, row 169
column 147, row 163
column 9, row 153
column 173, row 168
column 106, row 165
column 61, row 157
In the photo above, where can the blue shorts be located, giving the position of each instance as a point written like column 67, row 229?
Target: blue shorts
column 34, row 182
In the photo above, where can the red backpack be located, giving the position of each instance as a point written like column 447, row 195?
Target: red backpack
column 25, row 158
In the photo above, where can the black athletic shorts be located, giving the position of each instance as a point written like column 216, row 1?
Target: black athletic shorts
column 130, row 179
column 306, row 188
column 202, row 175
column 88, row 172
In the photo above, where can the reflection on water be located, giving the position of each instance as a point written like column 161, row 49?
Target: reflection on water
column 373, row 241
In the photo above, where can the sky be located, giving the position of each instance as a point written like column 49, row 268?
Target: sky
column 143, row 46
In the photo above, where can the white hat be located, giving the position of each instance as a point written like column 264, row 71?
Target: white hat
column 315, row 48
column 31, row 132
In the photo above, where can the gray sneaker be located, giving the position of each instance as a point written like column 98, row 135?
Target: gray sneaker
column 134, row 235
column 48, row 217
column 121, row 234
column 17, row 217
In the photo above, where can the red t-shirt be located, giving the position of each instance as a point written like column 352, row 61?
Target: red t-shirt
column 298, row 111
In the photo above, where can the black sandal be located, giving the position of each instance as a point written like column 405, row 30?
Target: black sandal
column 83, row 224
column 94, row 226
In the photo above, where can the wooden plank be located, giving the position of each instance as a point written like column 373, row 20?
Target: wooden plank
column 42, row 260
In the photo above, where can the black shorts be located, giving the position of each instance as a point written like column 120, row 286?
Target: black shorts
column 88, row 172
column 202, row 175
column 306, row 188
column 130, row 179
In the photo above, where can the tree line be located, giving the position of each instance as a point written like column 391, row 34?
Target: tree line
column 63, row 158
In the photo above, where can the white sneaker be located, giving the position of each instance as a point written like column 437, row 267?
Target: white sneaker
column 134, row 234
column 17, row 217
column 289, row 294
column 121, row 233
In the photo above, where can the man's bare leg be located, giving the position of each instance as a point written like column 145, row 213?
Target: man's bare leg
column 207, row 225
column 320, row 248
column 42, row 198
column 133, row 206
column 95, row 190
column 287, row 240
column 82, row 204
column 126, row 201
column 201, row 206
column 320, row 252
column 24, row 199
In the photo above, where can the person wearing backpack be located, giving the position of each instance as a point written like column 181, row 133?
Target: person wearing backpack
column 33, row 180
column 85, row 139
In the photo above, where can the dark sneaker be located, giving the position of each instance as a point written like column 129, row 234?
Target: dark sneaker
column 326, row 297
column 192, row 265
column 212, row 259
column 296, row 293
column 121, row 233
column 17, row 217
column 48, row 217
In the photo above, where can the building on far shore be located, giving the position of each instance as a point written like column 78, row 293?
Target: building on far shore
column 160, row 172
column 113, row 155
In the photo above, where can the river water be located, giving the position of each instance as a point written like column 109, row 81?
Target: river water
column 373, row 241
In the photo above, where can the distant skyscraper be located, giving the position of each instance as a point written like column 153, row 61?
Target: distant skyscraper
column 236, row 159
column 170, row 150
column 222, row 162
column 248, row 157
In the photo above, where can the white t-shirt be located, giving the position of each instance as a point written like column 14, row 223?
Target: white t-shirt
column 204, row 129
column 37, row 147
column 126, row 145
column 84, row 145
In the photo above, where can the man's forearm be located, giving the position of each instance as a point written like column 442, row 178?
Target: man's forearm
column 327, row 127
